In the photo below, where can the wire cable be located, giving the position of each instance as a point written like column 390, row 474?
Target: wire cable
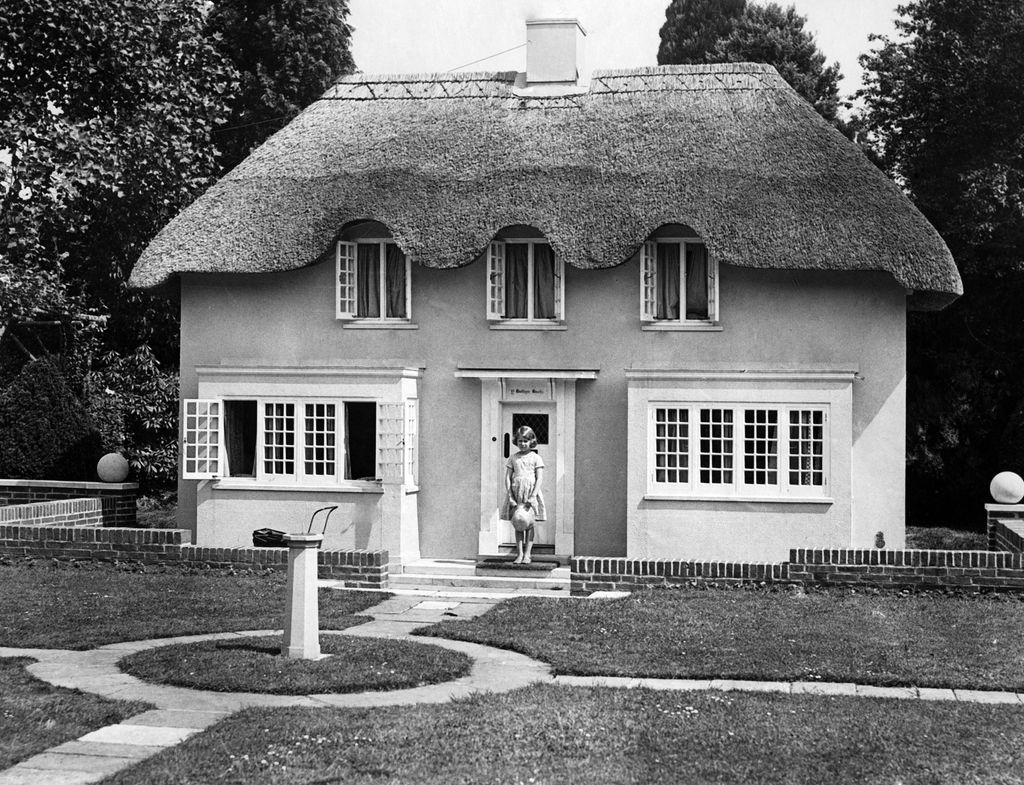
column 489, row 57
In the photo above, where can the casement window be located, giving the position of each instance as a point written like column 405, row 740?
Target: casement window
column 286, row 441
column 759, row 450
column 525, row 282
column 678, row 283
column 374, row 281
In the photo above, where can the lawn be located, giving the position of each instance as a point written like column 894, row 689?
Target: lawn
column 545, row 734
column 35, row 716
column 890, row 639
column 53, row 605
column 255, row 665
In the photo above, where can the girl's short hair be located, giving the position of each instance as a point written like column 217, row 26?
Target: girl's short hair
column 525, row 432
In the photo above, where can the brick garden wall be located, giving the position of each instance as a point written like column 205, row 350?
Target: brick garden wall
column 356, row 569
column 118, row 498
column 69, row 512
column 999, row 569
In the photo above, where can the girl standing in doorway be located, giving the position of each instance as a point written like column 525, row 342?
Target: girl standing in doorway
column 524, row 504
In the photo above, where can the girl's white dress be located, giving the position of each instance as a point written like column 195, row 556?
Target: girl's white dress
column 524, row 467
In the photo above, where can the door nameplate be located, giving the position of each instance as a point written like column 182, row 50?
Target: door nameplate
column 527, row 390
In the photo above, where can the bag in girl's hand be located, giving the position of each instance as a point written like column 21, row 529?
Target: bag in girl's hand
column 523, row 517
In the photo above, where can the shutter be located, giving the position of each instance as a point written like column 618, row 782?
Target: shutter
column 649, row 282
column 411, row 440
column 712, row 290
column 390, row 441
column 408, row 287
column 496, row 281
column 559, row 288
column 202, row 436
column 346, row 280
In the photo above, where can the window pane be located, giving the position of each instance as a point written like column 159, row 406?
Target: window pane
column 516, row 280
column 760, row 446
column 716, row 448
column 668, row 281
column 279, row 438
column 696, row 281
column 368, row 280
column 672, row 445
column 806, row 447
column 240, row 437
column 395, row 282
column 360, row 440
column 320, row 427
column 544, row 282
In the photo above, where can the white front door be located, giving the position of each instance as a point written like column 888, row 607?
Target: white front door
column 541, row 418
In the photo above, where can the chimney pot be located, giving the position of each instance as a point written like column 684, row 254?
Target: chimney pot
column 554, row 50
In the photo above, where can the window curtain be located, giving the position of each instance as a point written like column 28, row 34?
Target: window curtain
column 368, row 280
column 696, row 282
column 516, row 280
column 668, row 281
column 544, row 282
column 395, row 274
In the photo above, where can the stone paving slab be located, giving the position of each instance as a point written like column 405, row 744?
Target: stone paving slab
column 104, row 749
column 177, row 718
column 823, row 688
column 987, row 696
column 56, row 764
column 140, row 735
column 898, row 693
column 935, row 694
column 23, row 774
column 742, row 685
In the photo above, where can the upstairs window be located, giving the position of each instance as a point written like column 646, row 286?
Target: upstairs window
column 678, row 283
column 525, row 282
column 374, row 281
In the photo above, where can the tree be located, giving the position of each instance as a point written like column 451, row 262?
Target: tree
column 107, row 109
column 731, row 31
column 943, row 105
column 288, row 52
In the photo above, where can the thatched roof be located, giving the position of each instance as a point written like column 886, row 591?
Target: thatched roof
column 447, row 160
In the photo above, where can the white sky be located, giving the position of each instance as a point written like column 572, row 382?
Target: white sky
column 401, row 36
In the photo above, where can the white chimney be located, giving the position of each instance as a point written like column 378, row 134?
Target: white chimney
column 554, row 51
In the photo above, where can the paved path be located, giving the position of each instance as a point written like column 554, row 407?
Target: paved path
column 181, row 713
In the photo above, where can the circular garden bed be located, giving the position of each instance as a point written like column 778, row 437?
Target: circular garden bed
column 256, row 665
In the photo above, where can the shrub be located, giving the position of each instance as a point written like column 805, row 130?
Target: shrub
column 47, row 433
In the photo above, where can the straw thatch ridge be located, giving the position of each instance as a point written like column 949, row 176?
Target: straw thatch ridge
column 447, row 160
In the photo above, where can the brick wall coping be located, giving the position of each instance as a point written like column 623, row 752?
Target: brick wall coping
column 1004, row 508
column 70, row 485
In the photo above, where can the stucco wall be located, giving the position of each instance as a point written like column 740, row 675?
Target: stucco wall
column 767, row 316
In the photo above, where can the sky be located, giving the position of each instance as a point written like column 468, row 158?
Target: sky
column 403, row 36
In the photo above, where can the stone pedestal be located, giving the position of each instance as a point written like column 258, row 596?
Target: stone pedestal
column 302, row 614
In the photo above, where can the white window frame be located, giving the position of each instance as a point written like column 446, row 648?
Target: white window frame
column 346, row 282
column 497, row 278
column 298, row 478
column 738, row 487
column 649, row 286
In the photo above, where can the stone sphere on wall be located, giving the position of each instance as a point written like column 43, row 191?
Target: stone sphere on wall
column 1007, row 488
column 112, row 467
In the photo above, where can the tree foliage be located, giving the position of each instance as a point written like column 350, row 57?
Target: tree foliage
column 731, row 31
column 944, row 104
column 287, row 52
column 106, row 113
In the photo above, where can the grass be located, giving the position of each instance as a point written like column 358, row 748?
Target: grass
column 53, row 605
column 255, row 665
column 545, row 734
column 35, row 716
column 942, row 539
column 782, row 634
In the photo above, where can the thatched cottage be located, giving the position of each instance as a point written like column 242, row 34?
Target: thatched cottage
column 691, row 287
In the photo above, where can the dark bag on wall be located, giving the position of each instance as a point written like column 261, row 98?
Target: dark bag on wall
column 268, row 538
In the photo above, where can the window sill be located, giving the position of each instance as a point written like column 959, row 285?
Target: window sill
column 666, row 497
column 377, row 324
column 523, row 324
column 689, row 327
column 348, row 486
